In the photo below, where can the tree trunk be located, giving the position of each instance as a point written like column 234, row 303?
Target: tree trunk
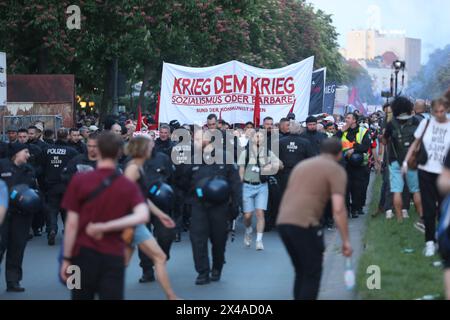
column 103, row 110
column 145, row 81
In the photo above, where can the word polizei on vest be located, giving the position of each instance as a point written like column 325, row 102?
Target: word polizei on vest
column 57, row 152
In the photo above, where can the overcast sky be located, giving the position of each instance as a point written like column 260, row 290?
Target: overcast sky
column 428, row 20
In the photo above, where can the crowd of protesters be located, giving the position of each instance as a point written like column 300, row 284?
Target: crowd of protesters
column 65, row 167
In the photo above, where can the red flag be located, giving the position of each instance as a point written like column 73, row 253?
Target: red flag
column 355, row 101
column 257, row 110
column 293, row 105
column 156, row 118
column 139, row 119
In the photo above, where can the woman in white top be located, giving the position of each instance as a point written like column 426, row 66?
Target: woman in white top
column 437, row 143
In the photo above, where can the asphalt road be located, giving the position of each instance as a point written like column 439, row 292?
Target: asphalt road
column 248, row 274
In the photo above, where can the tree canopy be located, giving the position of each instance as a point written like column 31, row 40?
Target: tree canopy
column 143, row 34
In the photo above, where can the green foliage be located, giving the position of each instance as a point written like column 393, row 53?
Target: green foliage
column 143, row 34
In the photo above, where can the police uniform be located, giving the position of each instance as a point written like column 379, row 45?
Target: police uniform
column 38, row 142
column 164, row 146
column 17, row 224
column 210, row 221
column 55, row 160
column 358, row 140
column 158, row 168
column 80, row 147
column 182, row 157
column 315, row 138
column 293, row 149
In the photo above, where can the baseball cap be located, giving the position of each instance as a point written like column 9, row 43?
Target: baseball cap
column 93, row 128
column 329, row 118
column 39, row 126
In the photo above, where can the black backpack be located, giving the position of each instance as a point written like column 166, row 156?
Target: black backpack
column 402, row 137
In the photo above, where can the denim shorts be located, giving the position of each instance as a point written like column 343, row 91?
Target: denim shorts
column 255, row 197
column 397, row 181
column 141, row 234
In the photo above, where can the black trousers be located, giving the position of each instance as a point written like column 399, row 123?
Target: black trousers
column 283, row 178
column 305, row 247
column 273, row 203
column 365, row 186
column 53, row 202
column 431, row 202
column 101, row 274
column 14, row 233
column 164, row 236
column 355, row 187
column 208, row 223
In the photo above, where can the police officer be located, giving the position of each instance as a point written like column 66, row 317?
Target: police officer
column 355, row 144
column 55, row 160
column 181, row 156
column 83, row 162
column 15, row 229
column 210, row 218
column 158, row 168
column 312, row 135
column 164, row 144
column 293, row 149
column 35, row 160
column 284, row 127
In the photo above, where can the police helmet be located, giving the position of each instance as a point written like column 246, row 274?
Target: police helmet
column 215, row 190
column 356, row 159
column 25, row 199
column 162, row 195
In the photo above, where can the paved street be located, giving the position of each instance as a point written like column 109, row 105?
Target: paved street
column 248, row 274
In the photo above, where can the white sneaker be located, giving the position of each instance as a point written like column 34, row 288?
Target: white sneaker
column 259, row 245
column 389, row 214
column 248, row 239
column 430, row 249
column 405, row 214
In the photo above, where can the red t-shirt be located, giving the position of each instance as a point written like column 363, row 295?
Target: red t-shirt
column 116, row 201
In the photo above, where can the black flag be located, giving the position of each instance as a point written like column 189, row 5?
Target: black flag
column 330, row 96
column 317, row 91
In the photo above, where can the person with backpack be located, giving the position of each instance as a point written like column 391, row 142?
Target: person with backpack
column 398, row 136
column 256, row 163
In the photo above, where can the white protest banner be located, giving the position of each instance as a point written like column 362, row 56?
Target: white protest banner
column 189, row 95
column 3, row 90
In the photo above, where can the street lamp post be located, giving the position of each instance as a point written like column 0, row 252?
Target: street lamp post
column 397, row 65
